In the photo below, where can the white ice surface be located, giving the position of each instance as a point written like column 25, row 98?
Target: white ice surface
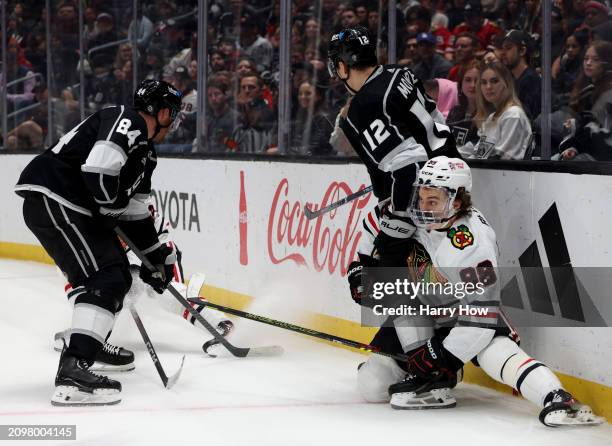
column 305, row 397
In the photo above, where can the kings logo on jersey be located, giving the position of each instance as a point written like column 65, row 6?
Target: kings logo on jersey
column 460, row 237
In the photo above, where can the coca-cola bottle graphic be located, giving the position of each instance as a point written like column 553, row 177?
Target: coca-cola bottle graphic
column 242, row 223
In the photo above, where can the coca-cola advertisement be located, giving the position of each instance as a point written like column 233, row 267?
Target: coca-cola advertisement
column 327, row 243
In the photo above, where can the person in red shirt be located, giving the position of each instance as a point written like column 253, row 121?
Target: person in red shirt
column 466, row 46
column 477, row 24
column 418, row 20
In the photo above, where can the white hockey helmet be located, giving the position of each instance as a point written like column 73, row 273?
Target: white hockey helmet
column 441, row 172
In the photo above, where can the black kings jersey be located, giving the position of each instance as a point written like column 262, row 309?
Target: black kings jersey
column 98, row 166
column 393, row 125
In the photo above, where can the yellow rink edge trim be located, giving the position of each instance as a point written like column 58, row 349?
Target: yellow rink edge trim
column 596, row 395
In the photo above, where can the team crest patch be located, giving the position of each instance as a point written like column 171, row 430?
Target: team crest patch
column 460, row 237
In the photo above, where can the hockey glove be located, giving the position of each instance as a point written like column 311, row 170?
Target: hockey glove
column 163, row 258
column 432, row 359
column 356, row 277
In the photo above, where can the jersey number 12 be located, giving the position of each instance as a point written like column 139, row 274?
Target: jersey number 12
column 380, row 133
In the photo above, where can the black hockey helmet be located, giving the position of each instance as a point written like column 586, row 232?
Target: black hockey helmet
column 354, row 46
column 151, row 96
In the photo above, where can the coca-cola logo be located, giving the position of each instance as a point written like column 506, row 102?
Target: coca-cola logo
column 327, row 243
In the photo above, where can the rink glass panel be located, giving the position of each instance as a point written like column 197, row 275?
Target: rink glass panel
column 271, row 120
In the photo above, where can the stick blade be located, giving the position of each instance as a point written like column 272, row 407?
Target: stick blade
column 196, row 282
column 270, row 350
column 174, row 378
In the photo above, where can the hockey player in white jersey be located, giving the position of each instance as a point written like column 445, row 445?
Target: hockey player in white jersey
column 457, row 245
column 119, row 359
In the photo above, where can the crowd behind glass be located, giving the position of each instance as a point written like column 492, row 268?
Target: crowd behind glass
column 480, row 60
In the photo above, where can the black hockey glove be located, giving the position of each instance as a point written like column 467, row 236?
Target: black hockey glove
column 356, row 276
column 163, row 258
column 432, row 359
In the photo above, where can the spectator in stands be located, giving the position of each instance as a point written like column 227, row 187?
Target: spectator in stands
column 105, row 24
column 312, row 33
column 592, row 106
column 431, row 64
column 597, row 20
column 30, row 134
column 466, row 46
column 418, row 20
column 410, row 56
column 180, row 138
column 182, row 58
column 504, row 129
column 217, row 62
column 517, row 47
column 512, row 16
column 361, row 11
column 222, row 118
column 373, row 20
column 65, row 45
column 89, row 26
column 252, row 134
column 141, row 29
column 230, row 53
column 153, row 64
column 254, row 45
column 102, row 89
column 245, row 66
column 311, row 126
column 533, row 14
column 123, row 56
column 476, row 24
column 349, row 17
column 328, row 9
column 17, row 67
column 567, row 67
column 461, row 117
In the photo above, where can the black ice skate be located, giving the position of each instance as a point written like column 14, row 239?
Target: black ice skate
column 76, row 385
column 114, row 359
column 417, row 393
column 110, row 359
column 561, row 409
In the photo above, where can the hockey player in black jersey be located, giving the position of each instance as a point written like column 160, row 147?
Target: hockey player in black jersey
column 393, row 126
column 97, row 176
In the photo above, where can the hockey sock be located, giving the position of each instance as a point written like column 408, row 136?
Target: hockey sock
column 506, row 362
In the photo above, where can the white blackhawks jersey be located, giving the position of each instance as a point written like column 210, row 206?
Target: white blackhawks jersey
column 464, row 253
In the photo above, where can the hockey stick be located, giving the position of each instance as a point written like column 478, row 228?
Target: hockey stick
column 236, row 351
column 314, row 214
column 168, row 382
column 302, row 330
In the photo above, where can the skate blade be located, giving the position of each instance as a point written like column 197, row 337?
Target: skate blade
column 110, row 368
column 72, row 396
column 581, row 417
column 434, row 399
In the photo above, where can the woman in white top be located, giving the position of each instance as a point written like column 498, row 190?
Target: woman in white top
column 503, row 127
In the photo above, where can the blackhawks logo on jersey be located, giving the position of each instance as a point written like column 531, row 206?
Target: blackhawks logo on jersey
column 461, row 237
